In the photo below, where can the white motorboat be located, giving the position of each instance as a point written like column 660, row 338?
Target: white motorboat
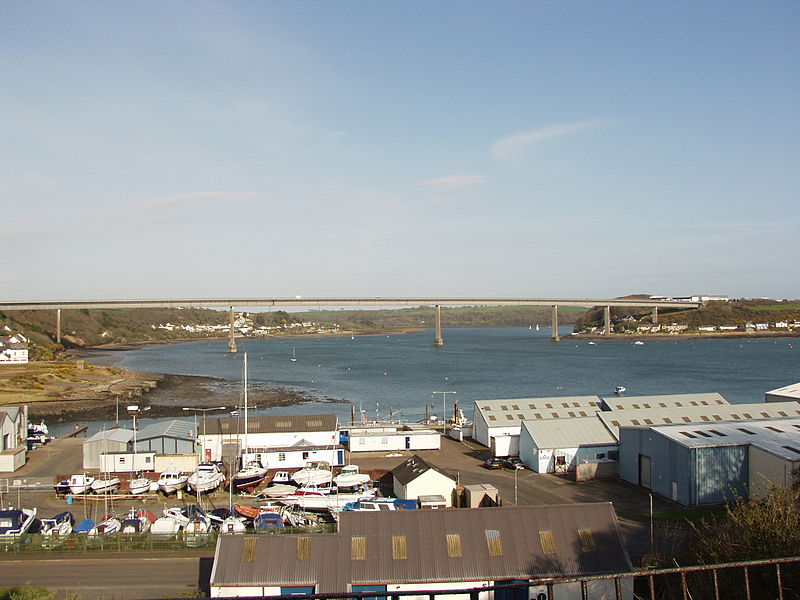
column 171, row 481
column 232, row 524
column 327, row 502
column 351, row 477
column 58, row 526
column 16, row 521
column 207, row 478
column 316, row 473
column 368, row 504
column 184, row 514
column 278, row 490
column 249, row 476
column 620, row 389
column 638, row 343
column 105, row 485
column 141, row 485
column 166, row 526
column 80, row 484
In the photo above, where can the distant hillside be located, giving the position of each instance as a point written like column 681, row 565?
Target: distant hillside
column 714, row 314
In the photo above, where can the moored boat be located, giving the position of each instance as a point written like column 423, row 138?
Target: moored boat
column 316, row 473
column 140, row 485
column 105, row 485
column 57, row 526
column 166, row 526
column 80, row 484
column 249, row 476
column 207, row 478
column 84, row 526
column 171, row 480
column 16, row 521
column 350, row 476
column 268, row 521
column 107, row 526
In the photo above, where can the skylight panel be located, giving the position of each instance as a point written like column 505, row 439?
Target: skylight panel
column 493, row 543
column 358, row 548
column 453, row 545
column 248, row 549
column 687, row 434
column 548, row 542
column 303, row 548
column 399, row 547
column 747, row 431
column 793, row 449
column 587, row 540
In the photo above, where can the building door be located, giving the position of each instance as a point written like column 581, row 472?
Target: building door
column 369, row 588
column 644, row 471
column 408, row 443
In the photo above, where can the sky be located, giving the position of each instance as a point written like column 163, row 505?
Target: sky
column 178, row 149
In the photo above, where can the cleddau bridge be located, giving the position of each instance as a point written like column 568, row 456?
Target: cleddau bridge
column 299, row 302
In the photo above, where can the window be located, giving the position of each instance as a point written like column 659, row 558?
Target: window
column 492, row 418
column 587, row 540
column 571, row 413
column 148, row 459
column 399, row 547
column 514, row 407
column 305, row 455
column 662, row 405
column 649, row 421
column 548, row 542
column 747, row 415
column 565, row 405
column 520, row 416
column 510, row 417
column 493, row 542
column 575, row 405
column 717, row 417
column 548, row 405
column 503, row 407
column 282, row 455
column 122, row 460
column 613, row 455
column 635, row 421
column 554, row 414
column 635, row 406
column 532, row 406
column 615, row 423
column 686, row 419
column 537, row 415
column 678, row 404
column 453, row 545
column 704, row 417
column 358, row 548
column 362, row 441
column 582, row 413
column 765, row 415
column 384, row 441
column 667, row 420
column 783, row 414
column 693, row 403
column 600, row 456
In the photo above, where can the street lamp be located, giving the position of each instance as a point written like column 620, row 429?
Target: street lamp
column 204, row 411
column 444, row 410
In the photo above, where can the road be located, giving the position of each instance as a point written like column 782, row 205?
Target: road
column 132, row 577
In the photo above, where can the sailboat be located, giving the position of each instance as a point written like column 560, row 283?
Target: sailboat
column 294, row 355
column 253, row 472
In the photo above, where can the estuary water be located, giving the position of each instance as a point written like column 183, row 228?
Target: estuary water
column 380, row 373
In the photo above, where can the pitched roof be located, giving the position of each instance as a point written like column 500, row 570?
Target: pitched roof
column 412, row 468
column 114, row 435
column 175, row 428
column 511, row 412
column 664, row 401
column 271, row 424
column 421, row 546
column 569, row 433
column 615, row 419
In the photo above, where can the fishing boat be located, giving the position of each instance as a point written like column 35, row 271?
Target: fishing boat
column 171, row 480
column 105, row 485
column 57, row 526
column 80, row 484
column 16, row 521
column 620, row 389
column 249, row 476
column 207, row 478
column 350, row 476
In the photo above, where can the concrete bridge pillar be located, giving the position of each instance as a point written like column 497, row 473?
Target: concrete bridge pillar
column 437, row 336
column 58, row 326
column 655, row 315
column 554, row 323
column 607, row 320
column 232, row 340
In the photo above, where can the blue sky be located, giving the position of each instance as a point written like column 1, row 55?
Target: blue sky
column 262, row 149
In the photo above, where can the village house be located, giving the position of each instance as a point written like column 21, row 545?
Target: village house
column 13, row 349
column 13, row 437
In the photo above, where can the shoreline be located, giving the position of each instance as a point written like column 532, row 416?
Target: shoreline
column 682, row 336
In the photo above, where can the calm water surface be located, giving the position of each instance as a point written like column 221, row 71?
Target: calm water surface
column 401, row 371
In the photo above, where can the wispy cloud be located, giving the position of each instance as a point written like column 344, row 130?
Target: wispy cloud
column 453, row 182
column 192, row 199
column 510, row 146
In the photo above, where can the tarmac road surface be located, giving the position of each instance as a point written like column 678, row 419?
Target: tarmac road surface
column 132, row 577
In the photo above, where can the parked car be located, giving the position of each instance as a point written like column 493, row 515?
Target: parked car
column 513, row 462
column 493, row 463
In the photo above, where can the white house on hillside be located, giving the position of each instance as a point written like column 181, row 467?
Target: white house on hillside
column 13, row 349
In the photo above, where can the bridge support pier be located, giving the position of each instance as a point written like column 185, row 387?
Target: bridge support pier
column 654, row 318
column 58, row 326
column 232, row 340
column 607, row 320
column 438, row 341
column 554, row 323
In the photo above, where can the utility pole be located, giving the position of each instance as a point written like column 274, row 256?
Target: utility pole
column 444, row 410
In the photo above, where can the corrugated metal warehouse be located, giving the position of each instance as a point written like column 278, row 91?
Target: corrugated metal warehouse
column 663, row 401
column 709, row 463
column 428, row 550
column 558, row 445
column 108, row 440
column 497, row 423
column 788, row 393
column 169, row 437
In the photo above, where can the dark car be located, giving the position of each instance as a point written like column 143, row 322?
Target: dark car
column 493, row 463
column 513, row 462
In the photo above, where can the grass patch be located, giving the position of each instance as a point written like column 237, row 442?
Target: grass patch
column 775, row 307
column 25, row 593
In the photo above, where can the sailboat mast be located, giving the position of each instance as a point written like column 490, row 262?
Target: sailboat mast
column 245, row 401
